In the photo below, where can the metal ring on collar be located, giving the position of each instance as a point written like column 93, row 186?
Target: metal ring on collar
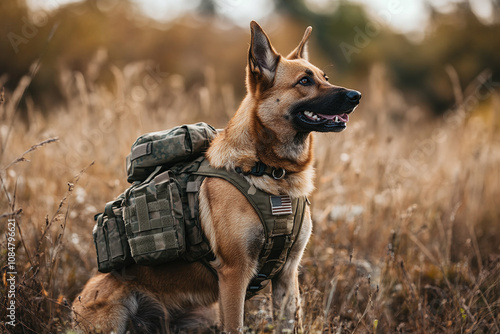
column 280, row 175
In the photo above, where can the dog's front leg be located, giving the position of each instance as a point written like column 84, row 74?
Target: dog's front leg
column 236, row 236
column 287, row 312
column 232, row 289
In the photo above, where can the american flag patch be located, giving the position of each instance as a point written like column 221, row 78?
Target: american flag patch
column 281, row 205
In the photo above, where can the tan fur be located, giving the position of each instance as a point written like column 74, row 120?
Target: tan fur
column 261, row 130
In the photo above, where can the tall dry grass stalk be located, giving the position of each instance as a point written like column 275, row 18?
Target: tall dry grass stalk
column 405, row 211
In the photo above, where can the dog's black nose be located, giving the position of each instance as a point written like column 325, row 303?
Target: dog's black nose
column 353, row 96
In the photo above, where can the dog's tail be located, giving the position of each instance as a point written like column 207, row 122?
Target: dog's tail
column 202, row 320
column 147, row 316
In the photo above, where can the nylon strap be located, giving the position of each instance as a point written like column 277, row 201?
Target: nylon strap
column 141, row 207
column 141, row 150
column 260, row 169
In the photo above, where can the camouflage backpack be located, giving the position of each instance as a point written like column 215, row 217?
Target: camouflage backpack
column 147, row 223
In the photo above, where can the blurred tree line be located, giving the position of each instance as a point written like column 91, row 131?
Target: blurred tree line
column 70, row 36
column 457, row 38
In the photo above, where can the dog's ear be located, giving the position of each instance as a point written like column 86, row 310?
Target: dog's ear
column 300, row 51
column 262, row 58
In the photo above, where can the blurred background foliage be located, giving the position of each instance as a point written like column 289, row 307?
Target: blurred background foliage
column 347, row 41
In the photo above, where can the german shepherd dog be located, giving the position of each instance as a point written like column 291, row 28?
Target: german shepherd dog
column 287, row 98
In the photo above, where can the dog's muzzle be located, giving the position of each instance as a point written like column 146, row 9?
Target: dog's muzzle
column 327, row 113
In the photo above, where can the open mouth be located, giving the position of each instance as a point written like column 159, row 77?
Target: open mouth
column 323, row 122
column 321, row 118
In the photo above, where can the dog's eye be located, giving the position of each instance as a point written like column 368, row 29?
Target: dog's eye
column 306, row 81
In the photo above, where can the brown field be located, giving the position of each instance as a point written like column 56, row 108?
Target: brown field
column 406, row 211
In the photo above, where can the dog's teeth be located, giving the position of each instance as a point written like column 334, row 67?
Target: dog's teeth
column 336, row 118
column 312, row 115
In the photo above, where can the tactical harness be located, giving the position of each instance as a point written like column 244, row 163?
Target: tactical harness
column 281, row 221
column 157, row 220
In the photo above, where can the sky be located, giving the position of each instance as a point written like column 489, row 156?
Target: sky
column 405, row 16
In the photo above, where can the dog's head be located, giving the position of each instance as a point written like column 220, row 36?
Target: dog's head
column 293, row 95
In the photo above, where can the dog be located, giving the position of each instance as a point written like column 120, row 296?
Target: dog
column 287, row 99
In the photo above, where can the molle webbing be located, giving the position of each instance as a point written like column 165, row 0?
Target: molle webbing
column 280, row 230
column 154, row 220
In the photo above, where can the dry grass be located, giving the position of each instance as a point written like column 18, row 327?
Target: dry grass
column 406, row 209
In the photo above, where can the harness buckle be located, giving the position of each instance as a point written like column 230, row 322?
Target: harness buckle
column 259, row 169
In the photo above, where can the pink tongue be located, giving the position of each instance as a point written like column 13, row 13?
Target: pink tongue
column 342, row 118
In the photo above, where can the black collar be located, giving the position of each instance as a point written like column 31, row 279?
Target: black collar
column 261, row 168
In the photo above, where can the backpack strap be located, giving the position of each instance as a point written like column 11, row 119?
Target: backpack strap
column 281, row 217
